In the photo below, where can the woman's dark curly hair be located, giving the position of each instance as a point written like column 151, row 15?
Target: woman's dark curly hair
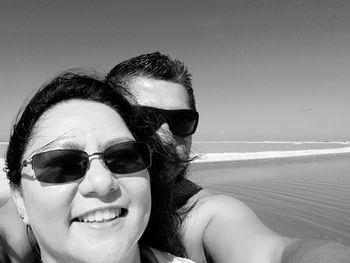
column 4, row 257
column 162, row 230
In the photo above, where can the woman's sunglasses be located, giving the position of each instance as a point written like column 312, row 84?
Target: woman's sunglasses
column 67, row 165
column 181, row 122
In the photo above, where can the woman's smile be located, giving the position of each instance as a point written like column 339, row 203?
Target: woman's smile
column 103, row 218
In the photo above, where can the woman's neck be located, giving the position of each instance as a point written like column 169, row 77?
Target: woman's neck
column 132, row 257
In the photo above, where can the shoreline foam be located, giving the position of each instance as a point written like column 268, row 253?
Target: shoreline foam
column 276, row 142
column 226, row 157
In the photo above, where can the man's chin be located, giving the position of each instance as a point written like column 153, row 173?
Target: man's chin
column 181, row 171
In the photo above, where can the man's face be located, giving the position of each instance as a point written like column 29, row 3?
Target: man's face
column 168, row 96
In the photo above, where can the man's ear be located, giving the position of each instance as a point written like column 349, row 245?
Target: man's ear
column 17, row 197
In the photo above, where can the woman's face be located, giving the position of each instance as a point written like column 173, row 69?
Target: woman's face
column 56, row 212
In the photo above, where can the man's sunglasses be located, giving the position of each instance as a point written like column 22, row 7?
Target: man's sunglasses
column 181, row 122
column 67, row 165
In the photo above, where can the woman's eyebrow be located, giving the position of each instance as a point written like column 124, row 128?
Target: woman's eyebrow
column 65, row 141
column 58, row 142
column 116, row 141
column 69, row 145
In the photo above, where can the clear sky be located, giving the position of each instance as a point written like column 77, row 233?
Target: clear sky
column 262, row 70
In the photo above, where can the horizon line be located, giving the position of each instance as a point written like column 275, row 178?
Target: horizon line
column 253, row 141
column 275, row 141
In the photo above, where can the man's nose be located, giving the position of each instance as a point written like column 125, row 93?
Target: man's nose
column 165, row 133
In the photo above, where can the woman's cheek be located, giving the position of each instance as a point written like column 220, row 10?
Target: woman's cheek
column 47, row 202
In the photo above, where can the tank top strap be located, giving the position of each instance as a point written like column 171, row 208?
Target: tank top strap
column 147, row 255
column 164, row 257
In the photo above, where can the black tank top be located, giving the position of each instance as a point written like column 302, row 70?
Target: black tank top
column 183, row 191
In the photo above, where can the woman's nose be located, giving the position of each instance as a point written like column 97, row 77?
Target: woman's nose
column 98, row 180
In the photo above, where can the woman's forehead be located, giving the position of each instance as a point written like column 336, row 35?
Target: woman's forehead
column 78, row 122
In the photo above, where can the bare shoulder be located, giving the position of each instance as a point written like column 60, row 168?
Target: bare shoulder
column 224, row 228
column 207, row 207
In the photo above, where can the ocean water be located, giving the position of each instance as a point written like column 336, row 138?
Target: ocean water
column 298, row 197
column 3, row 147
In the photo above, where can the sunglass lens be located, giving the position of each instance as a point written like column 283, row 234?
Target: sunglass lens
column 155, row 118
column 60, row 166
column 128, row 157
column 183, row 123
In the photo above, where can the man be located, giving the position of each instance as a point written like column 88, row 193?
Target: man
column 163, row 87
column 220, row 228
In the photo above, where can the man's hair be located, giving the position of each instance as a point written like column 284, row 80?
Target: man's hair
column 154, row 66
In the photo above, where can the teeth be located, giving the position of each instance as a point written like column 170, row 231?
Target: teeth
column 113, row 213
column 90, row 217
column 100, row 215
column 106, row 213
column 117, row 212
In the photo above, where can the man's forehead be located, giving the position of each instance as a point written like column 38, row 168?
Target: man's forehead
column 159, row 93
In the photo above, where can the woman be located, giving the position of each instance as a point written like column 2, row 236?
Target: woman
column 77, row 163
